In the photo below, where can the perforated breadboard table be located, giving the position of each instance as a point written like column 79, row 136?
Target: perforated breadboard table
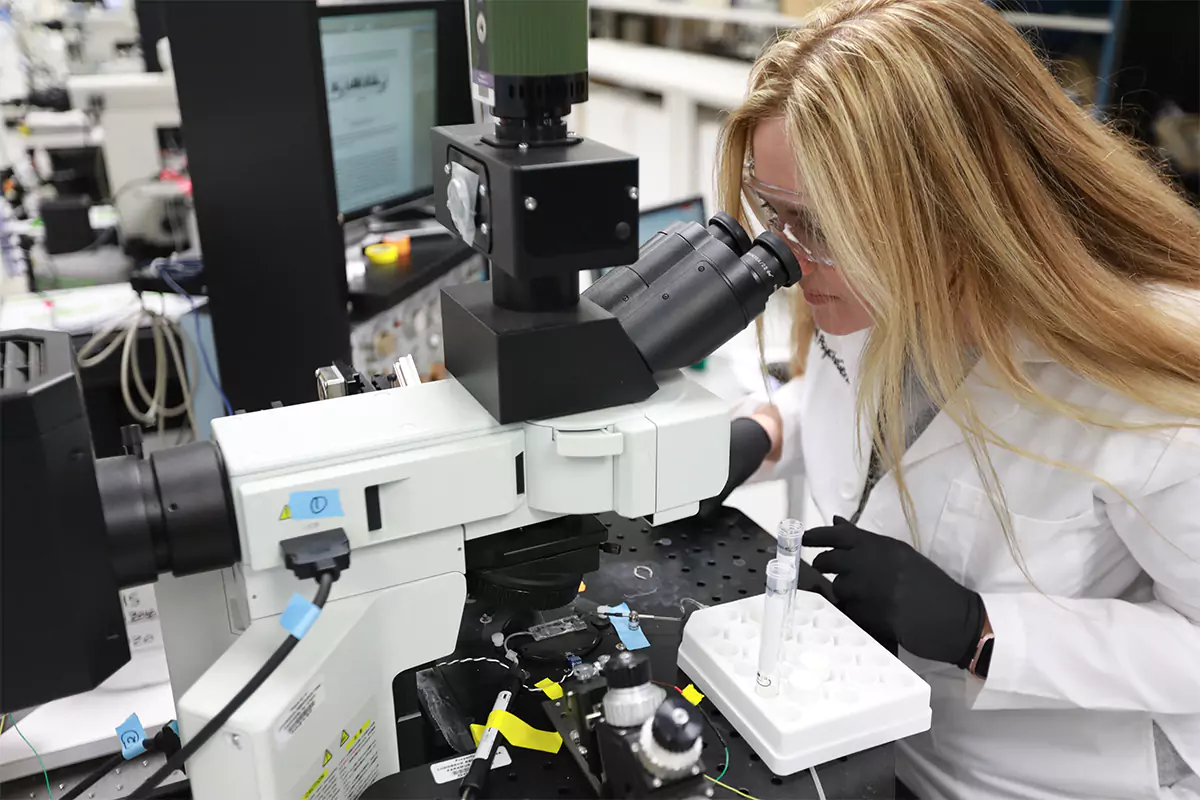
column 715, row 562
column 710, row 562
column 837, row 690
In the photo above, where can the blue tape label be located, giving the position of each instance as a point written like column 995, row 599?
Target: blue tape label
column 633, row 639
column 132, row 737
column 299, row 615
column 316, row 504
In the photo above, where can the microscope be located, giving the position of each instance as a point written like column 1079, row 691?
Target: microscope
column 561, row 406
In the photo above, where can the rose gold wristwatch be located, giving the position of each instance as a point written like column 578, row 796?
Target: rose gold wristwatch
column 982, row 659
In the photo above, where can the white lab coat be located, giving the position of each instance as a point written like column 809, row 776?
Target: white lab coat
column 1103, row 646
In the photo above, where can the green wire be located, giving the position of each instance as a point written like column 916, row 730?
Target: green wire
column 726, row 769
column 39, row 758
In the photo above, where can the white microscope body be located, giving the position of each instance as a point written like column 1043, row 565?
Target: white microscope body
column 411, row 475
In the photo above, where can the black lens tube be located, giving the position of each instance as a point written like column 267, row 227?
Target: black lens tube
column 169, row 512
column 550, row 293
column 694, row 288
column 722, row 240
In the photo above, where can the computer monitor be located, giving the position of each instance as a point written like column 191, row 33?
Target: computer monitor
column 391, row 72
column 653, row 220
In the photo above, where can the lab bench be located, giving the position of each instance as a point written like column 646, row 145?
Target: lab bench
column 710, row 562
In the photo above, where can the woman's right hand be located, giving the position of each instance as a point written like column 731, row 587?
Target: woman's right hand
column 771, row 421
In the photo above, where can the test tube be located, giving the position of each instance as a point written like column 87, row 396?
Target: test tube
column 791, row 531
column 781, row 577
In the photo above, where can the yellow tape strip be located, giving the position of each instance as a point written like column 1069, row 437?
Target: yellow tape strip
column 519, row 733
column 692, row 695
column 552, row 689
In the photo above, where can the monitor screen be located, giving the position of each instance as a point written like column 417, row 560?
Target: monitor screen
column 381, row 92
column 653, row 220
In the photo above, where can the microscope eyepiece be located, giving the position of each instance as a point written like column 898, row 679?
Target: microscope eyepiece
column 694, row 288
column 781, row 256
column 727, row 230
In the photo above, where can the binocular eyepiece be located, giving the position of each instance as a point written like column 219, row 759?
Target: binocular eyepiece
column 693, row 288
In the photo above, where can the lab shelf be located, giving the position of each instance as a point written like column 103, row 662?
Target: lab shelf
column 751, row 17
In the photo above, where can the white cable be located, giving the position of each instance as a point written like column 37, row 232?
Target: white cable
column 185, row 381
column 509, row 653
column 817, row 782
column 496, row 661
column 154, row 402
column 86, row 359
column 168, row 350
column 508, row 638
column 146, row 417
column 168, row 331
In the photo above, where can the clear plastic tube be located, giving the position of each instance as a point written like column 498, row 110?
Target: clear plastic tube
column 791, row 532
column 781, row 578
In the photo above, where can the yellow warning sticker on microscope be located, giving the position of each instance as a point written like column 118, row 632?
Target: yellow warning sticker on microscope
column 311, row 794
column 354, row 739
column 286, row 513
column 348, row 764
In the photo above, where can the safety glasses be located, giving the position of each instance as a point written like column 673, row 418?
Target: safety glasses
column 782, row 212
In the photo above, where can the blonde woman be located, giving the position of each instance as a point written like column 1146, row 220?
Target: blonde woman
column 997, row 414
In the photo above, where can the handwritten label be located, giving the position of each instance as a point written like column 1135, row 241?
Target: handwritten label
column 132, row 737
column 318, row 504
column 140, row 641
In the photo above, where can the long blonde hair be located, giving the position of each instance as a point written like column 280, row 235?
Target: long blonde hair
column 970, row 202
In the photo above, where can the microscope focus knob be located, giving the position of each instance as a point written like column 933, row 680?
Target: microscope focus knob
column 631, row 698
column 672, row 740
column 676, row 725
column 627, row 670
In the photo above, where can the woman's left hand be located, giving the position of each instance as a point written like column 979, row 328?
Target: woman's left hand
column 896, row 594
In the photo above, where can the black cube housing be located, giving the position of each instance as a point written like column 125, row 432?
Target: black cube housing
column 61, row 627
column 524, row 344
column 584, row 213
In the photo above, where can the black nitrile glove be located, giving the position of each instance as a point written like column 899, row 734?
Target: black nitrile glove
column 749, row 445
column 811, row 580
column 895, row 593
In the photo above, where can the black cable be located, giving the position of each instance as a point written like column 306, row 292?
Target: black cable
column 165, row 741
column 177, row 761
column 720, row 738
column 108, row 766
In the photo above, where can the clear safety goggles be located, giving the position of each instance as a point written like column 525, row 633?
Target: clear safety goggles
column 782, row 212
